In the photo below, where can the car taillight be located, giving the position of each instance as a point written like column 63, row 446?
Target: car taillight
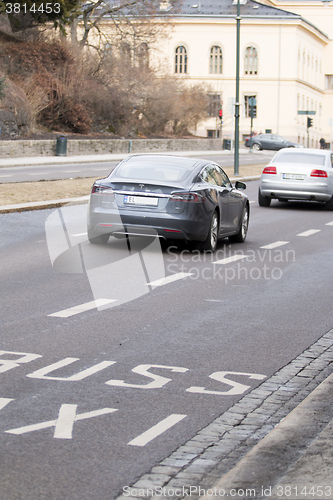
column 318, row 173
column 96, row 189
column 269, row 170
column 187, row 197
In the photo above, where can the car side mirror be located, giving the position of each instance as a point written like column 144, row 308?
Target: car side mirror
column 240, row 185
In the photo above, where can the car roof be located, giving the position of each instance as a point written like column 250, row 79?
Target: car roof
column 181, row 161
column 304, row 151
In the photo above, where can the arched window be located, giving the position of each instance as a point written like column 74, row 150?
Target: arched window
column 125, row 52
column 143, row 56
column 251, row 61
column 180, row 60
column 215, row 60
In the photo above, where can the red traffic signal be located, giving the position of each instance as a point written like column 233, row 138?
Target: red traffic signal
column 220, row 114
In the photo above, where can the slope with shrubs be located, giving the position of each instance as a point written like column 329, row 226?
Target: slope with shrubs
column 51, row 85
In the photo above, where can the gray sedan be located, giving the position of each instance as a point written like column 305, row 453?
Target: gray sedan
column 298, row 174
column 171, row 197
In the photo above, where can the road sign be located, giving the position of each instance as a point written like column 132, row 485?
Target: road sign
column 306, row 112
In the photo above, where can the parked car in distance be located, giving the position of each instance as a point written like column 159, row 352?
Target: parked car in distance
column 270, row 141
column 175, row 198
column 298, row 174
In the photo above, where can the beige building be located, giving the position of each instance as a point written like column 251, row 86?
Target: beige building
column 286, row 63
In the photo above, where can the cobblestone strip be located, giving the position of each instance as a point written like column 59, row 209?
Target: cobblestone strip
column 216, row 449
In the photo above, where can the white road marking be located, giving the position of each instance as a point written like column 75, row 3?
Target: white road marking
column 40, row 173
column 6, row 176
column 70, row 171
column 233, row 258
column 80, row 234
column 4, row 402
column 329, row 223
column 64, row 423
column 169, row 279
column 157, row 430
column 43, row 373
column 309, row 232
column 275, row 245
column 66, row 313
column 252, row 201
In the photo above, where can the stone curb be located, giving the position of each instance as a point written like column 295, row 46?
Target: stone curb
column 215, row 450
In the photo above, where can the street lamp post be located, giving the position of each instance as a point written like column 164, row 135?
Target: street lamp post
column 236, row 152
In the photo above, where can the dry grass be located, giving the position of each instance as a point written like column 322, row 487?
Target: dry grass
column 24, row 192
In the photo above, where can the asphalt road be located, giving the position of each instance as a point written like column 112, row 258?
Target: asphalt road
column 101, row 169
column 92, row 398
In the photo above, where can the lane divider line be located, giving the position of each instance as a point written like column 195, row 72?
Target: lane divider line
column 329, row 223
column 169, row 279
column 233, row 258
column 71, row 311
column 309, row 232
column 275, row 245
column 157, row 430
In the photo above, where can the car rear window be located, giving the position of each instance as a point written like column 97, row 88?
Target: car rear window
column 157, row 170
column 304, row 158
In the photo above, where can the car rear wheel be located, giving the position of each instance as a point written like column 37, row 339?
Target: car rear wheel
column 100, row 239
column 240, row 237
column 263, row 201
column 211, row 241
column 329, row 204
column 256, row 146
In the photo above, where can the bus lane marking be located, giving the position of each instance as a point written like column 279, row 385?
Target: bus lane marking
column 157, row 430
column 64, row 423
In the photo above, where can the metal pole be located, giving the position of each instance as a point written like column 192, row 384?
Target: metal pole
column 236, row 153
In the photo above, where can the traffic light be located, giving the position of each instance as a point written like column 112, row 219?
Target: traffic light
column 220, row 114
column 310, row 122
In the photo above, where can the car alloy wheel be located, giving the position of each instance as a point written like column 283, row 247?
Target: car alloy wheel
column 211, row 241
column 240, row 237
column 256, row 146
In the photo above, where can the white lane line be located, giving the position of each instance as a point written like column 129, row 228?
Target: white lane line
column 66, row 313
column 157, row 430
column 79, row 234
column 275, row 245
column 6, row 176
column 329, row 223
column 233, row 258
column 71, row 171
column 40, row 173
column 309, row 232
column 252, row 201
column 169, row 279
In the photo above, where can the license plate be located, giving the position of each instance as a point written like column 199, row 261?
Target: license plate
column 294, row 177
column 140, row 200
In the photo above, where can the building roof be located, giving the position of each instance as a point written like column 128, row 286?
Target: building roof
column 223, row 8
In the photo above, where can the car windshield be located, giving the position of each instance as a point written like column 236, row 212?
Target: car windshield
column 160, row 169
column 309, row 159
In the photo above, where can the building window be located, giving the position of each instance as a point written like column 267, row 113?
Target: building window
column 251, row 61
column 215, row 61
column 214, row 105
column 180, row 60
column 143, row 58
column 247, row 107
column 328, row 82
column 213, row 134
column 125, row 52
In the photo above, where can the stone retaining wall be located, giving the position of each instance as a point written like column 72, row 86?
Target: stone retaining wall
column 24, row 148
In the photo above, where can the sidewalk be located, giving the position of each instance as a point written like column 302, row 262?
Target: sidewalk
column 254, row 173
column 295, row 460
column 53, row 160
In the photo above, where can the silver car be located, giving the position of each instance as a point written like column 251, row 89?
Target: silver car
column 298, row 174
